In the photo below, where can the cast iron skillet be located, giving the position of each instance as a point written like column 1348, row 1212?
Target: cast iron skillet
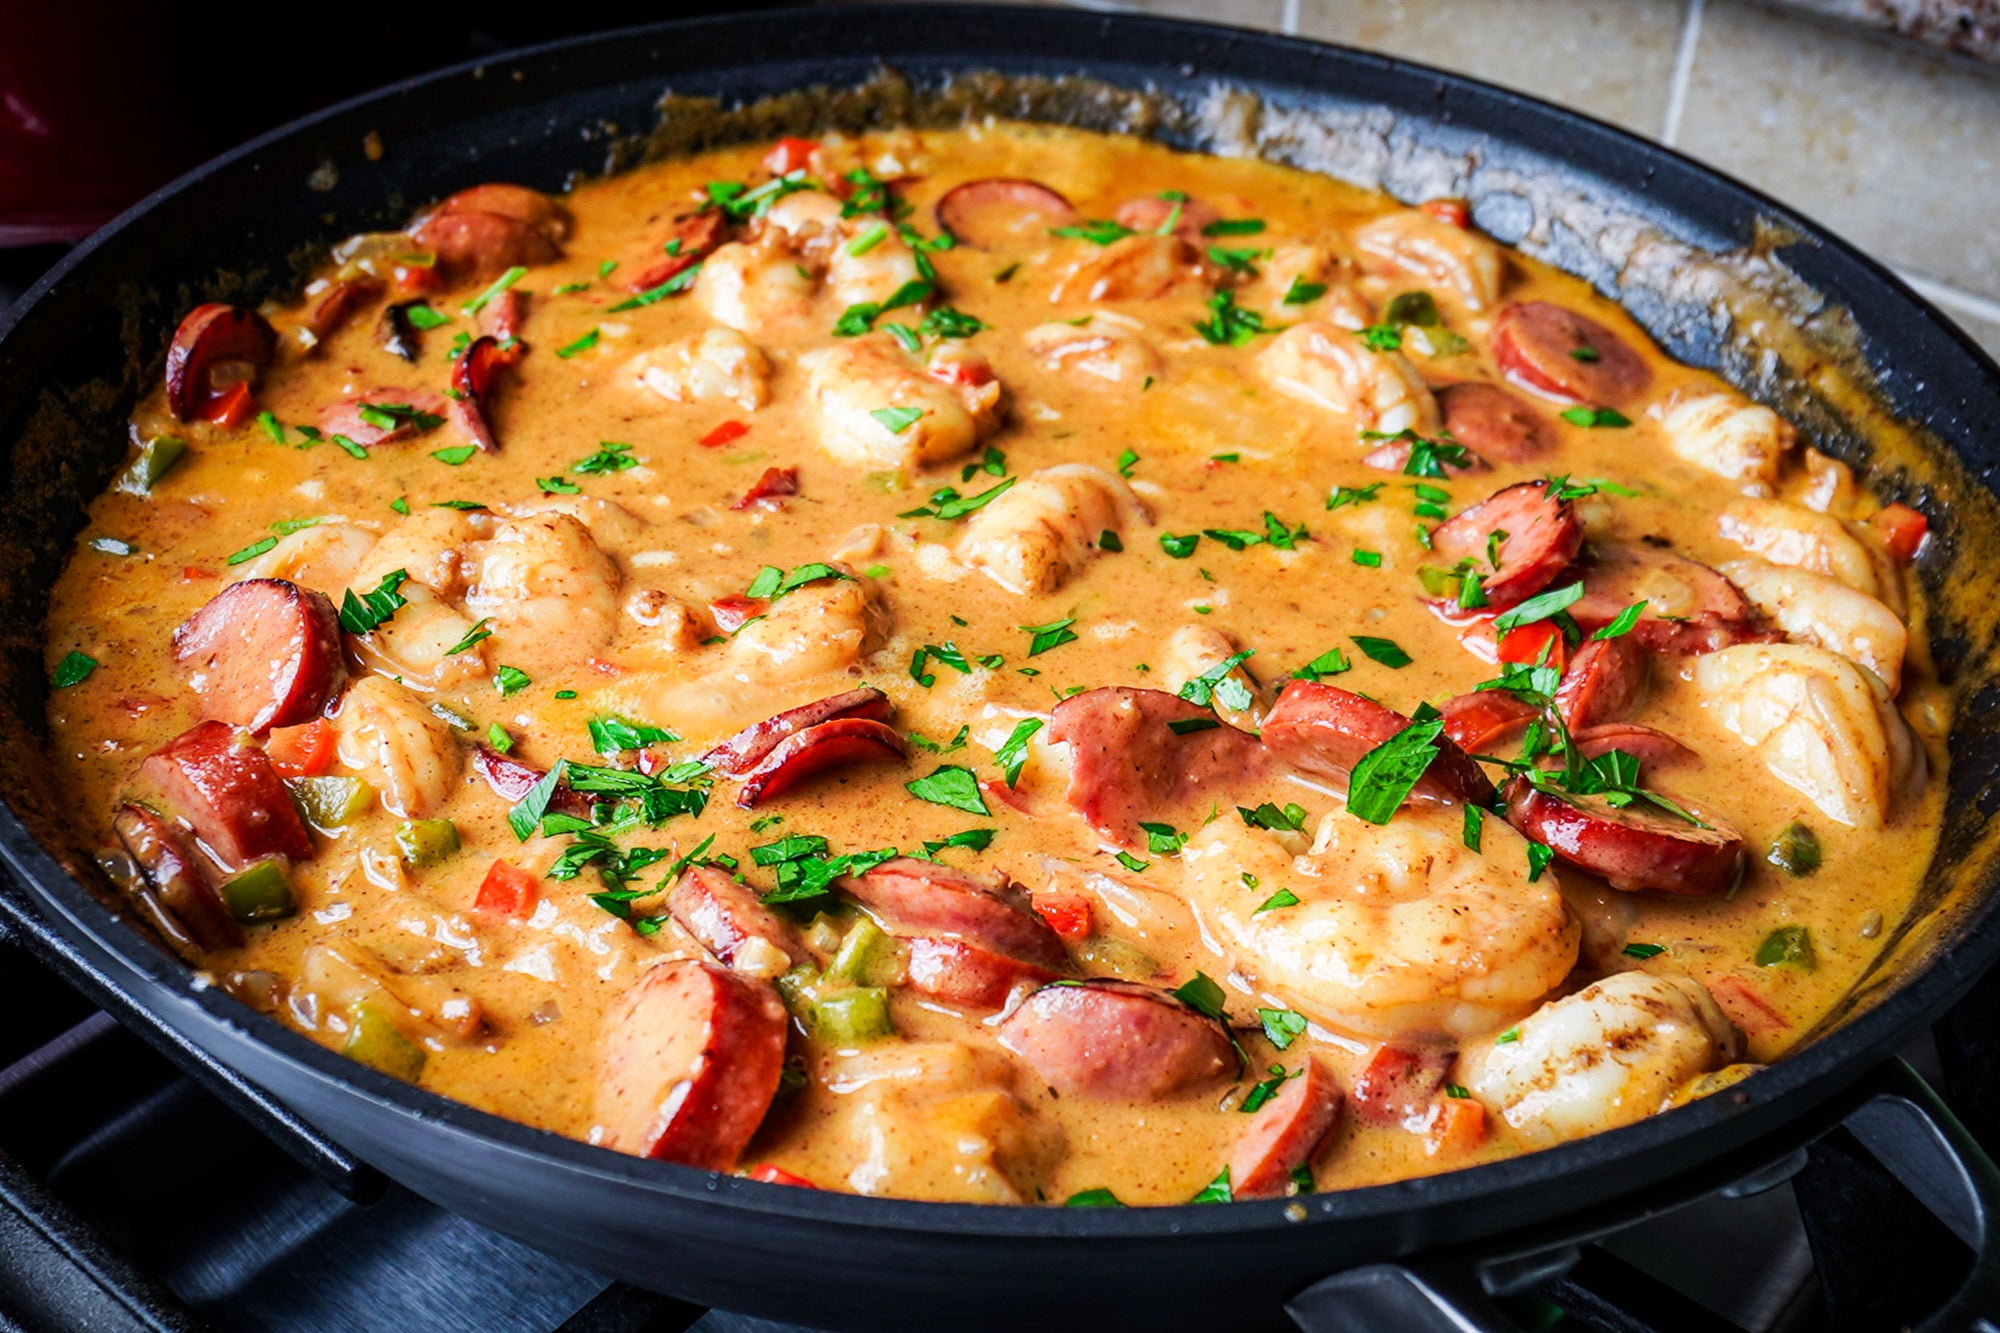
column 1641, row 222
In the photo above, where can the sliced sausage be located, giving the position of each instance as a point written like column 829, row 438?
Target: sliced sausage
column 962, row 973
column 1605, row 682
column 771, row 488
column 344, row 416
column 1120, row 1041
column 1486, row 721
column 804, row 754
column 1651, row 748
column 696, row 234
column 997, row 212
column 263, row 653
column 1543, row 536
column 725, row 917
column 472, row 379
column 1284, row 1133
column 1632, row 849
column 1127, row 763
column 1560, row 354
column 173, row 880
column 1493, row 423
column 741, row 752
column 510, row 780
column 473, row 247
column 227, row 791
column 537, row 210
column 339, row 303
column 692, row 1057
column 914, row 898
column 1690, row 608
column 503, row 316
column 215, row 347
column 1395, row 1087
column 1324, row 730
column 1149, row 212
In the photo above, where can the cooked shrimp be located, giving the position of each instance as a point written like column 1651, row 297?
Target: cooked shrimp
column 1314, row 265
column 1453, row 259
column 1612, row 1053
column 1787, row 534
column 1193, row 649
column 1825, row 611
column 341, row 974
column 323, row 557
column 720, row 365
column 388, row 735
column 550, row 591
column 936, row 1120
column 1099, row 354
column 1738, row 440
column 415, row 645
column 428, row 546
column 1401, row 931
column 805, row 222
column 1137, row 268
column 671, row 624
column 1823, row 726
column 754, row 288
column 819, row 629
column 854, row 385
column 879, row 272
column 1333, row 369
column 1047, row 527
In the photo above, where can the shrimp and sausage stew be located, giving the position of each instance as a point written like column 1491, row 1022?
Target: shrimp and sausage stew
column 999, row 664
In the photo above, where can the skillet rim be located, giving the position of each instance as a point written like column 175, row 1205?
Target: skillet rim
column 1776, row 1097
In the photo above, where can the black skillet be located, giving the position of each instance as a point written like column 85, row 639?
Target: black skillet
column 1637, row 220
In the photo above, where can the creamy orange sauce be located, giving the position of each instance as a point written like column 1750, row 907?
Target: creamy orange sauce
column 1207, row 441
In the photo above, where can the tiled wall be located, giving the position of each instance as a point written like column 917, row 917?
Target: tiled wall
column 1889, row 144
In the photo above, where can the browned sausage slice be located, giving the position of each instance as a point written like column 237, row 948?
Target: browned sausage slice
column 741, row 752
column 1395, row 1087
column 963, row 973
column 1486, row 721
column 1118, row 1040
column 999, row 211
column 1127, row 763
column 1556, row 352
column 215, row 343
column 1493, row 423
column 1605, row 682
column 692, row 1057
column 344, row 417
column 725, row 916
column 1543, row 536
column 472, row 247
column 923, row 899
column 503, row 316
column 518, row 202
column 830, row 745
column 1321, row 729
column 263, row 653
column 227, row 791
column 168, row 866
column 472, row 379
column 1149, row 212
column 687, row 242
column 1284, row 1133
column 1632, row 849
column 1651, row 748
column 510, row 780
column 339, row 303
column 1690, row 607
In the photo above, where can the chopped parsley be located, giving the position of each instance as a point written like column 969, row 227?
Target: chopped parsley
column 1230, row 325
column 953, row 786
column 583, row 344
column 1643, row 950
column 1132, row 863
column 452, row 456
column 1013, row 752
column 500, row 284
column 680, row 282
column 510, row 681
column 1099, row 232
column 1385, row 775
column 1354, row 495
column 74, row 669
column 472, row 637
column 947, row 504
column 1596, row 416
column 252, row 551
column 360, row 615
column 611, row 456
column 1219, row 685
column 1204, row 996
column 1052, row 635
column 1541, row 606
column 1386, row 651
column 612, row 735
column 1302, row 292
column 1282, row 898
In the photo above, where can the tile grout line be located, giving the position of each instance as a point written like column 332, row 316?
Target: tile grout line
column 1288, row 18
column 1677, row 89
column 1953, row 299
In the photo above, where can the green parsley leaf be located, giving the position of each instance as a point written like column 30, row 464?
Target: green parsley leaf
column 583, row 344
column 1101, row 232
column 350, row 448
column 1596, row 416
column 1383, row 337
column 1623, row 623
column 1229, row 324
column 1179, row 546
column 1188, row 725
column 500, row 284
column 1215, row 1191
column 1290, row 819
column 1264, row 1090
column 973, row 839
column 1329, row 663
column 765, row 585
column 1236, row 261
column 526, row 816
column 611, row 456
column 1097, row 1198
column 1204, row 996
column 1127, row 460
column 897, row 419
column 252, row 551
column 1302, row 292
column 1384, row 776
column 1282, row 898
column 1367, row 559
column 952, row 786
column 455, row 455
column 1354, row 495
column 1163, row 839
column 1474, row 825
column 1386, row 651
column 1052, row 635
column 1013, row 752
column 510, row 681
column 1132, row 863
column 1643, row 950
column 1234, row 227
column 613, row 735
column 1512, row 1034
column 359, row 615
column 74, row 669
column 422, row 317
column 1538, row 860
column 1282, row 1027
column 1108, row 540
column 673, row 286
column 557, row 486
column 472, row 636
column 1539, row 607
column 1216, row 682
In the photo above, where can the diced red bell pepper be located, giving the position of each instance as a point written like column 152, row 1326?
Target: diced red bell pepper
column 732, row 613
column 195, row 574
column 771, row 488
column 1455, row 211
column 777, row 1175
column 417, row 279
column 507, row 891
column 1068, row 914
column 1746, row 1007
column 1903, row 530
column 1524, row 644
column 232, row 407
column 1458, row 1126
column 723, row 434
column 788, row 155
column 304, row 751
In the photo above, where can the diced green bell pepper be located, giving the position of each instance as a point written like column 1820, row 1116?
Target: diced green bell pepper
column 425, row 842
column 1795, row 850
column 797, row 987
column 1124, row 960
column 155, row 461
column 374, row 1041
column 260, row 893
column 867, row 957
column 1787, row 946
column 853, row 1017
column 331, row 802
